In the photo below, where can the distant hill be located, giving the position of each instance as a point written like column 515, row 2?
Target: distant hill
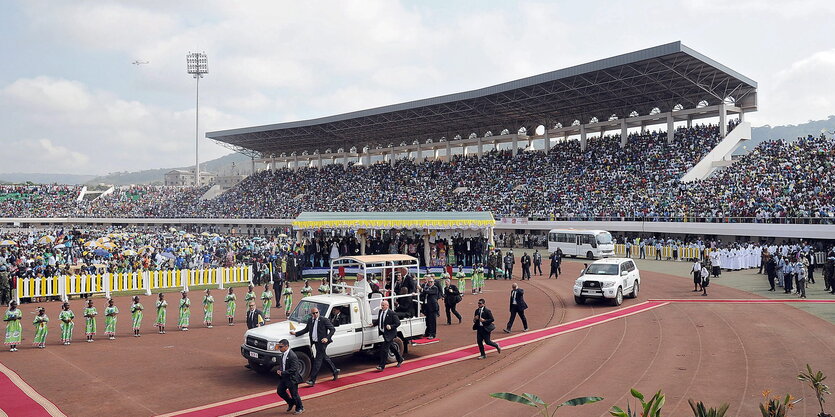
column 222, row 165
column 788, row 132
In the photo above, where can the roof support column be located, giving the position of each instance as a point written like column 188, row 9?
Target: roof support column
column 689, row 121
column 583, row 140
column 463, row 149
column 671, row 128
column 418, row 154
column 320, row 161
column 546, row 144
column 345, row 160
column 624, row 135
column 723, row 121
column 448, row 152
column 480, row 150
column 741, row 115
column 272, row 164
column 392, row 158
column 295, row 162
column 515, row 144
column 253, row 165
column 643, row 128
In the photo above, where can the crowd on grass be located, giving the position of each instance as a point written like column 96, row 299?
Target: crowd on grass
column 774, row 181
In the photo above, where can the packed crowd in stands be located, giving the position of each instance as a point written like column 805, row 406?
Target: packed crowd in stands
column 776, row 180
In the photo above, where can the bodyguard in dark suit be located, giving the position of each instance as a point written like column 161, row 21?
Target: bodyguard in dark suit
column 430, row 294
column 517, row 306
column 387, row 324
column 483, row 325
column 254, row 317
column 289, row 370
column 321, row 332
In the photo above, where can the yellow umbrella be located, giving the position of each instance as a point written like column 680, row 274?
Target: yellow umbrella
column 205, row 234
column 46, row 239
column 8, row 243
column 129, row 252
column 188, row 235
column 115, row 235
column 143, row 248
column 215, row 235
column 103, row 239
column 107, row 245
column 90, row 244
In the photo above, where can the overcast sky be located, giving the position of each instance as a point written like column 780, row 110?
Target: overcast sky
column 72, row 102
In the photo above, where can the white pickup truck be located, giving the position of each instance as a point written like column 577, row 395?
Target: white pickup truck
column 355, row 332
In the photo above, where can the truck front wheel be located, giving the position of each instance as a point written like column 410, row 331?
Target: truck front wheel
column 398, row 345
column 305, row 362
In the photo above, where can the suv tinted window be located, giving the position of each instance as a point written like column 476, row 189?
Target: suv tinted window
column 602, row 269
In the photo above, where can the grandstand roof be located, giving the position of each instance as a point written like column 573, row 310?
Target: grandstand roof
column 662, row 76
column 395, row 220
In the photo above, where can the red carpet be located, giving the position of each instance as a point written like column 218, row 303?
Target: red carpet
column 17, row 398
column 269, row 399
column 734, row 300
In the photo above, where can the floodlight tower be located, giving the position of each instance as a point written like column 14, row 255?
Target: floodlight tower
column 197, row 64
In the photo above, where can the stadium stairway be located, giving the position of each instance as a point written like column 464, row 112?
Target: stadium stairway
column 720, row 156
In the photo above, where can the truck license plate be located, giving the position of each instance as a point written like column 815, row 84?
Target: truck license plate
column 253, row 354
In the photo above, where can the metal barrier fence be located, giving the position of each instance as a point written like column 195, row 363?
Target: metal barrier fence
column 65, row 286
column 650, row 252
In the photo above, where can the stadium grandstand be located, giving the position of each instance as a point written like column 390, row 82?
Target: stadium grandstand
column 634, row 143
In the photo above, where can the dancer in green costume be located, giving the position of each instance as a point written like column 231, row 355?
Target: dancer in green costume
column 90, row 314
column 161, row 315
column 110, row 314
column 230, row 307
column 208, row 308
column 41, row 329
column 136, row 315
column 267, row 298
column 67, row 325
column 288, row 299
column 13, row 327
column 185, row 312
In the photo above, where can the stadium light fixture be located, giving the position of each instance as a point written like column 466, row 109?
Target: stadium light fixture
column 197, row 64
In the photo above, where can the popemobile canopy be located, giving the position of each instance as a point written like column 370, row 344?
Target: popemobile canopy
column 434, row 220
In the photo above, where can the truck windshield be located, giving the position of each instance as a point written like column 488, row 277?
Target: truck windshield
column 302, row 311
column 602, row 269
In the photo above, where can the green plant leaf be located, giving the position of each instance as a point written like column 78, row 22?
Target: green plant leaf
column 514, row 398
column 535, row 398
column 581, row 401
column 617, row 412
column 637, row 394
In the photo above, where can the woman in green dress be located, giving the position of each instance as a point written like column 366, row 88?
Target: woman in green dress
column 90, row 314
column 288, row 299
column 41, row 329
column 324, row 288
column 462, row 279
column 67, row 324
column 110, row 314
column 250, row 295
column 136, row 315
column 185, row 312
column 267, row 298
column 306, row 290
column 208, row 308
column 161, row 306
column 13, row 327
column 230, row 307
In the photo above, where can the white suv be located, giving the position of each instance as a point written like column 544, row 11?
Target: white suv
column 608, row 278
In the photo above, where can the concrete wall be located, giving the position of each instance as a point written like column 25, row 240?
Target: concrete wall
column 720, row 155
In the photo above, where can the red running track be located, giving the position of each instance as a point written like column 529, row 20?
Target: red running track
column 269, row 399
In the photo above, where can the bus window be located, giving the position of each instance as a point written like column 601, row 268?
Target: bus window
column 552, row 237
